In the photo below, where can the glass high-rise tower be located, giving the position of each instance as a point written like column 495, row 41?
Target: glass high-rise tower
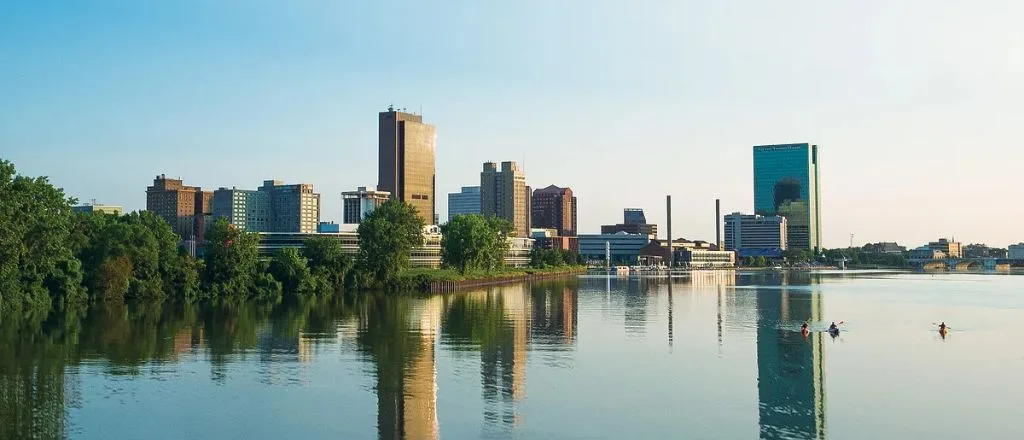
column 786, row 184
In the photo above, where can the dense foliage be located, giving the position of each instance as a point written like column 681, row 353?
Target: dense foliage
column 387, row 237
column 474, row 242
column 37, row 267
column 132, row 256
column 541, row 258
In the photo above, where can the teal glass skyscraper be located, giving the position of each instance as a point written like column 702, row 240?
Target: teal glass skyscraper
column 786, row 184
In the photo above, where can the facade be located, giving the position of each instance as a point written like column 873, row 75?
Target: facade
column 549, row 239
column 328, row 228
column 634, row 216
column 786, row 184
column 428, row 255
column 952, row 249
column 183, row 207
column 1016, row 251
column 245, row 208
column 706, row 258
column 755, row 235
column 274, row 207
column 926, row 253
column 633, row 222
column 622, row 247
column 293, row 208
column 982, row 251
column 884, row 248
column 96, row 207
column 465, row 202
column 504, row 194
column 360, row 203
column 554, row 207
column 406, row 149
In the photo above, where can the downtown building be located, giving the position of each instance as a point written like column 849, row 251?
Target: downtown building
column 756, row 235
column 465, row 202
column 504, row 194
column 273, row 207
column 186, row 208
column 633, row 222
column 405, row 154
column 92, row 208
column 554, row 208
column 786, row 184
column 358, row 204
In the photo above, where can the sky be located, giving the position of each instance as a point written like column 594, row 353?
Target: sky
column 915, row 105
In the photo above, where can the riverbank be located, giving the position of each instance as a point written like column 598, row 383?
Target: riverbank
column 447, row 280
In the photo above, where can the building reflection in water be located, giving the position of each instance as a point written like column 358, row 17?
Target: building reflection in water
column 399, row 334
column 790, row 368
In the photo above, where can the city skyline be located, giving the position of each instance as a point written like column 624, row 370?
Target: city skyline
column 256, row 90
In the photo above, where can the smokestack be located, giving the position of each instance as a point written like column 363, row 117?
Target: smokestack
column 718, row 223
column 671, row 252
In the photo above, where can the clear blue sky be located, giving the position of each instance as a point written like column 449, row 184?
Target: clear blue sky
column 915, row 104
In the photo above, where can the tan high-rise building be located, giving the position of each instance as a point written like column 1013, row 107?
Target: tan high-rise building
column 503, row 193
column 179, row 204
column 406, row 160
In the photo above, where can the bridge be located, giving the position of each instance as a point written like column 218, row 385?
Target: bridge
column 963, row 264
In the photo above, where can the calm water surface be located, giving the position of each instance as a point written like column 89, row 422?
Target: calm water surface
column 717, row 355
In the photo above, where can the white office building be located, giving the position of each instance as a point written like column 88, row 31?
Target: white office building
column 743, row 232
column 360, row 203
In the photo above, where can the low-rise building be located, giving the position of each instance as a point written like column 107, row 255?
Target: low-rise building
column 623, row 248
column 695, row 254
column 96, row 207
column 428, row 255
column 952, row 249
column 544, row 238
column 706, row 258
column 1016, row 251
column 755, row 235
column 983, row 251
column 925, row 253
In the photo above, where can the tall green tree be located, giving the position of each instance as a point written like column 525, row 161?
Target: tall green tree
column 474, row 242
column 233, row 270
column 37, row 266
column 290, row 269
column 328, row 263
column 386, row 239
column 146, row 242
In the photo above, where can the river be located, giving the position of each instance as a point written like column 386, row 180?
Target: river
column 715, row 355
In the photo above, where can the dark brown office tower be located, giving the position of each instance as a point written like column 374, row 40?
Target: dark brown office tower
column 177, row 204
column 554, row 208
column 406, row 160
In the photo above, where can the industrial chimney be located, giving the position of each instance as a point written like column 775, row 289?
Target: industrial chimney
column 718, row 223
column 671, row 252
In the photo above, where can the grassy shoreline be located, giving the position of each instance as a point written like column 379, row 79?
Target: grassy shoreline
column 425, row 280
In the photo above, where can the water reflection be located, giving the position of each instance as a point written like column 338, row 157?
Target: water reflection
column 398, row 338
column 790, row 367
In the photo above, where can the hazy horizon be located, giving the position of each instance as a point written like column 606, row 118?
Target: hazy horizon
column 911, row 104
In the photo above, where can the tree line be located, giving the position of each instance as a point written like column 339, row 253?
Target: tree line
column 53, row 257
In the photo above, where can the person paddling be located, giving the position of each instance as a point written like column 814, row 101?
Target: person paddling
column 804, row 330
column 943, row 327
column 833, row 329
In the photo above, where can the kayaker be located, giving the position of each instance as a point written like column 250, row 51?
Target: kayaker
column 804, row 330
column 942, row 327
column 833, row 329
